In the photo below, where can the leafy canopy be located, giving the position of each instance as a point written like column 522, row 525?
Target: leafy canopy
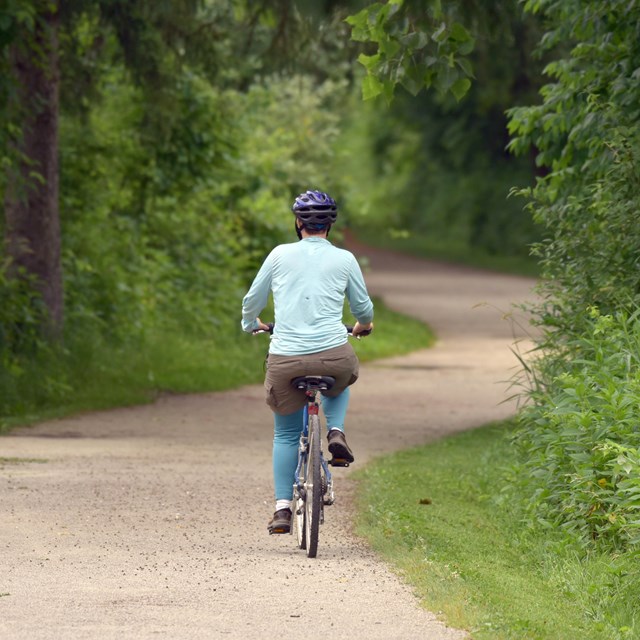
column 417, row 45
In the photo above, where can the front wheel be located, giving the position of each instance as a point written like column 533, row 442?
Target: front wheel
column 313, row 489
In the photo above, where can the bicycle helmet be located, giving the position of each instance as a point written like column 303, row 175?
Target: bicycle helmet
column 315, row 209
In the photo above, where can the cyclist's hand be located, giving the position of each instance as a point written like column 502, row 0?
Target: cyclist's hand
column 359, row 329
column 262, row 326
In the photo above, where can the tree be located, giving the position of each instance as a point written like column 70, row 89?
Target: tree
column 31, row 196
column 47, row 47
column 150, row 36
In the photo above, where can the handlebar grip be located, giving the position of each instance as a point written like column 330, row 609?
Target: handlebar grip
column 349, row 329
column 269, row 330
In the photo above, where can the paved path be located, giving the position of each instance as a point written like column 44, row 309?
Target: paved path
column 150, row 522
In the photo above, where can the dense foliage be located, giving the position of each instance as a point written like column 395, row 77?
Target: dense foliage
column 580, row 437
column 417, row 44
column 580, row 442
column 173, row 233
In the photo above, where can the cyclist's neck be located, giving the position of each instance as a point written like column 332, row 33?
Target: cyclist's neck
column 306, row 234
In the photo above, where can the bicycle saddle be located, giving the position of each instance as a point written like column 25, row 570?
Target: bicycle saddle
column 313, row 383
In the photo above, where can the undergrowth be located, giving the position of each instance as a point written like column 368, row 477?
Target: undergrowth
column 91, row 373
column 579, row 442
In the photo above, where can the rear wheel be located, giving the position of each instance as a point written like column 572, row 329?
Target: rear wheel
column 313, row 489
column 298, row 509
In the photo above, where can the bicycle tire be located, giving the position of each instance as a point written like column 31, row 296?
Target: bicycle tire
column 313, row 489
column 299, row 516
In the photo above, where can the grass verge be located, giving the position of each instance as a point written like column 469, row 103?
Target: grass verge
column 90, row 375
column 438, row 515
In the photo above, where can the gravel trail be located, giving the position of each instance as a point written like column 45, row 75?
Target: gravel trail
column 150, row 522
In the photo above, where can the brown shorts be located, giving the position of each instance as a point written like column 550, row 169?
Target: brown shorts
column 340, row 362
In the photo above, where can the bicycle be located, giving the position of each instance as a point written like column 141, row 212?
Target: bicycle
column 313, row 482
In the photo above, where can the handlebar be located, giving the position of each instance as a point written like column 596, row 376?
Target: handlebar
column 348, row 327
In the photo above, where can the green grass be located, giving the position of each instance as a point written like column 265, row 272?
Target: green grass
column 424, row 246
column 89, row 374
column 439, row 516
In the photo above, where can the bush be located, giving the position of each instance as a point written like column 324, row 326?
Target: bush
column 580, row 441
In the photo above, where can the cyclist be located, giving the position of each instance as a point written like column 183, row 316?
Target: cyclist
column 309, row 280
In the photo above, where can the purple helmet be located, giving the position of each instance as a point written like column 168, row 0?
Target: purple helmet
column 315, row 208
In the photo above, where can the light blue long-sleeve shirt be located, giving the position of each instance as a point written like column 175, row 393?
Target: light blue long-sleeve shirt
column 309, row 280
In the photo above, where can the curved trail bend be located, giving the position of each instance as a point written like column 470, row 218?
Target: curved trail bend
column 150, row 522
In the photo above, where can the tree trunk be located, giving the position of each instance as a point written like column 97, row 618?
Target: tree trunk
column 31, row 199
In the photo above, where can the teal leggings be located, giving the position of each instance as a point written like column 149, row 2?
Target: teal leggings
column 286, row 435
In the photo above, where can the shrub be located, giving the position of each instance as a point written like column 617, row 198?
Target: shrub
column 580, row 437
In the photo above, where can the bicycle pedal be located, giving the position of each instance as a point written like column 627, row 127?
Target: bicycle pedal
column 279, row 530
column 338, row 462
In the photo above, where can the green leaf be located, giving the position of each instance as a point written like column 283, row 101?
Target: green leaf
column 440, row 34
column 394, row 7
column 465, row 65
column 435, row 8
column 388, row 46
column 359, row 22
column 427, row 76
column 460, row 87
column 444, row 77
column 371, row 87
column 415, row 41
column 466, row 47
column 388, row 89
column 413, row 79
column 459, row 33
column 369, row 62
